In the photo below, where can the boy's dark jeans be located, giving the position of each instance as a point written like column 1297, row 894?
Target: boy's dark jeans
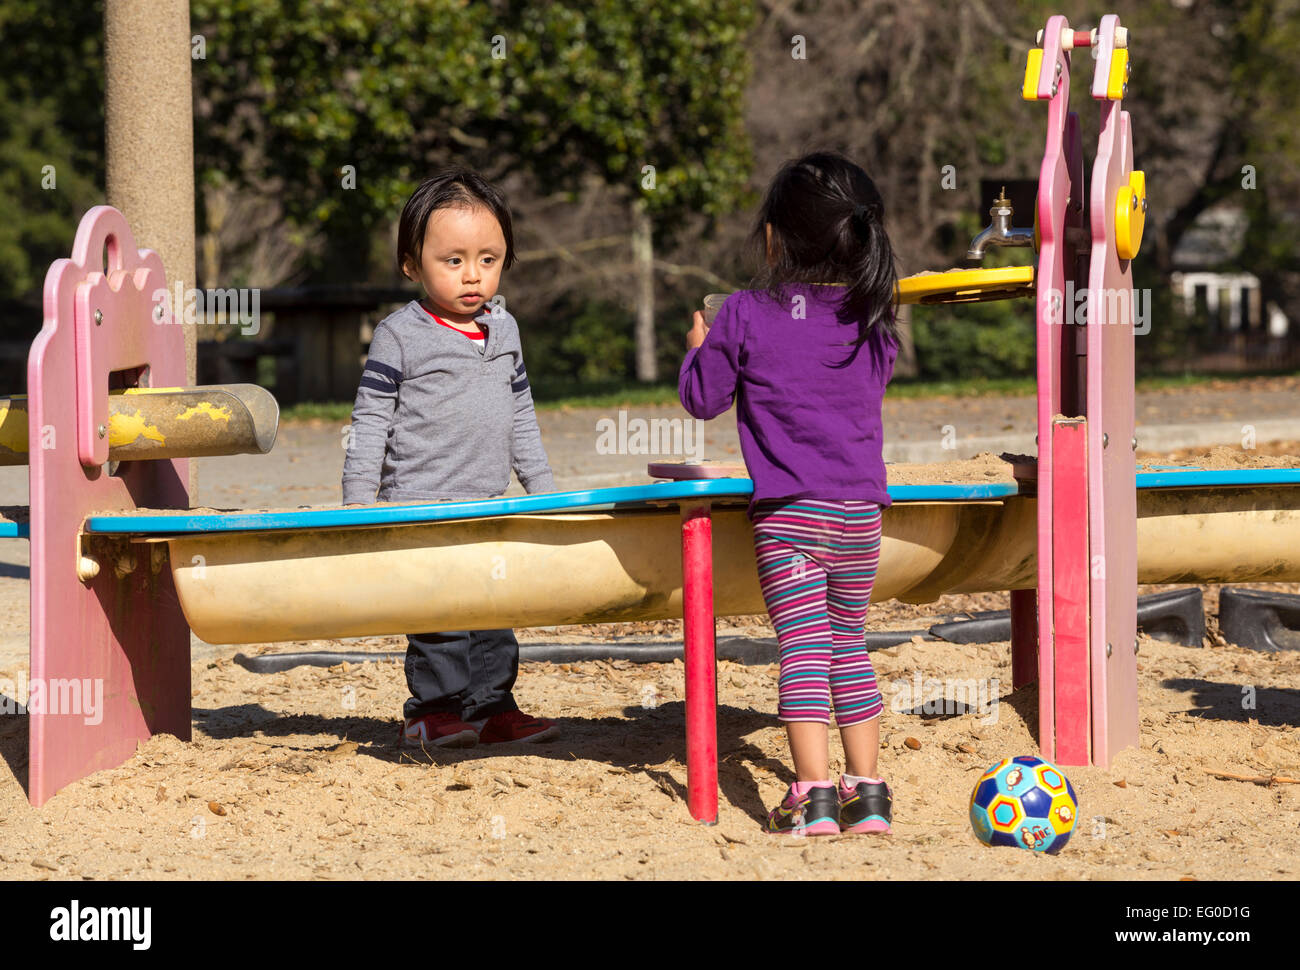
column 469, row 673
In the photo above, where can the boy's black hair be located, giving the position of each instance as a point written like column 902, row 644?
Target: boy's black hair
column 452, row 188
column 827, row 227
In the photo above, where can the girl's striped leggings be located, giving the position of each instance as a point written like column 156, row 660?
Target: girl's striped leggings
column 816, row 564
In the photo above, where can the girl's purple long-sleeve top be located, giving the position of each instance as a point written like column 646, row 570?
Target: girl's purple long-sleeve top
column 807, row 413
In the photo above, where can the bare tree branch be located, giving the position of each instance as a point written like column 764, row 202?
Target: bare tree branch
column 673, row 269
column 567, row 252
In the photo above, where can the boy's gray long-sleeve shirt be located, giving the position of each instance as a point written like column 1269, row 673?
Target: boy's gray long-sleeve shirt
column 439, row 416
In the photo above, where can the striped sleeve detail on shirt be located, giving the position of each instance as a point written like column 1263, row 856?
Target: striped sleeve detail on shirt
column 520, row 381
column 380, row 377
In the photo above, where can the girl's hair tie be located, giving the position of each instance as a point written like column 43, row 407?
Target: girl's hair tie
column 863, row 213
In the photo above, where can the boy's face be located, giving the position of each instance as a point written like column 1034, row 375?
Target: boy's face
column 460, row 265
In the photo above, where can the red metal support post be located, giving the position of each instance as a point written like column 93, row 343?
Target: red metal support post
column 701, row 668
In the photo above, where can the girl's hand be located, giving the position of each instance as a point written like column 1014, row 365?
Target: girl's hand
column 695, row 336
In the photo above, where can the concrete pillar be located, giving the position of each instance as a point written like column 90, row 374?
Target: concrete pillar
column 149, row 136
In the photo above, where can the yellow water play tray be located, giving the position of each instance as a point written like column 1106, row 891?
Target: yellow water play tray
column 967, row 285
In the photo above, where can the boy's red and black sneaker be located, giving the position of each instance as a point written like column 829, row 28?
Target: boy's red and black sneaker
column 441, row 730
column 515, row 726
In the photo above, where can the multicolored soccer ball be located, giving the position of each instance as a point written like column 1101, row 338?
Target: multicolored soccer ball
column 1025, row 802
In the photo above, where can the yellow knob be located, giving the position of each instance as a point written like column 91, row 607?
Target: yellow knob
column 1033, row 65
column 1130, row 215
column 1117, row 80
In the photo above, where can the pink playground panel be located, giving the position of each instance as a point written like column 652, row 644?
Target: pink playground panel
column 1112, row 483
column 130, row 637
column 1059, row 197
column 1087, row 711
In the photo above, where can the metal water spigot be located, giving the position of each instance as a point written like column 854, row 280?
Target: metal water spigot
column 1000, row 232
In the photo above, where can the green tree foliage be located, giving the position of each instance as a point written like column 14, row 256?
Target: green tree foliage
column 51, row 134
column 290, row 91
column 974, row 340
column 48, row 190
column 396, row 88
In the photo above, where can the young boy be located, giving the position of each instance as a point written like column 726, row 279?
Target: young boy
column 443, row 412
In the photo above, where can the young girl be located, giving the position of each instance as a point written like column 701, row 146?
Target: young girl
column 806, row 356
column 444, row 412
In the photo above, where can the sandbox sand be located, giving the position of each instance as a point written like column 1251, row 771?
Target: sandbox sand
column 1277, row 454
column 298, row 775
column 984, row 468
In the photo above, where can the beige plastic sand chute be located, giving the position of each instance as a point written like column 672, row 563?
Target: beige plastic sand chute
column 540, row 570
column 148, row 423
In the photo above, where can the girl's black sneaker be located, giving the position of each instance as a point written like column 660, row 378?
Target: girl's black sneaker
column 815, row 813
column 866, row 807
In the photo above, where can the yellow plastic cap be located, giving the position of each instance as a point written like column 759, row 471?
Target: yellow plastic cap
column 1032, row 69
column 1119, row 71
column 1130, row 215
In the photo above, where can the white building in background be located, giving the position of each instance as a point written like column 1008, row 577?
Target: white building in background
column 1233, row 299
column 1230, row 299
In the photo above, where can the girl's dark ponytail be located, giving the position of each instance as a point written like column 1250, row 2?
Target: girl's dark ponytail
column 827, row 219
column 872, row 295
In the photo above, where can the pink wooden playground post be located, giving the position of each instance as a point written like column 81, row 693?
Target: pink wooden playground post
column 1087, row 501
column 89, row 633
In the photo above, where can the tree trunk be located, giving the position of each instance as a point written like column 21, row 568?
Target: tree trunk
column 149, row 139
column 643, row 260
column 905, row 365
